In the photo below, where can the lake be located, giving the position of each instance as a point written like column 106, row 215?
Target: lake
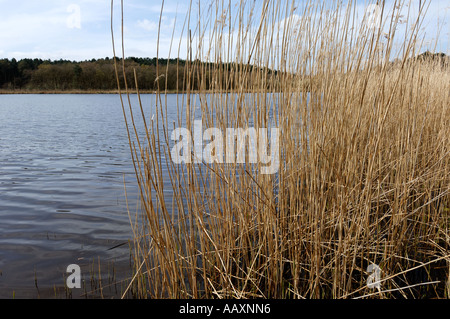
column 63, row 162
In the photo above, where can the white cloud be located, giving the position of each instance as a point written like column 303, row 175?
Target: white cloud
column 152, row 26
column 147, row 25
column 39, row 28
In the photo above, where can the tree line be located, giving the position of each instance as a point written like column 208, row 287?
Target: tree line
column 100, row 75
column 171, row 74
column 95, row 74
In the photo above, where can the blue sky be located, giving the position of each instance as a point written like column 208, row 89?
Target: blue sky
column 80, row 29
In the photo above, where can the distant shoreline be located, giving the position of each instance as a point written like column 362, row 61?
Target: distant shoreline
column 68, row 92
column 130, row 91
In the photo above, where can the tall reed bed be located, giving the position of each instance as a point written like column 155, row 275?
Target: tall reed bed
column 364, row 165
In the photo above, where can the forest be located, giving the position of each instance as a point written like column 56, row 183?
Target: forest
column 98, row 75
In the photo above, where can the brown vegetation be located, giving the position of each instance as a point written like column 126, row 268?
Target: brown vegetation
column 364, row 172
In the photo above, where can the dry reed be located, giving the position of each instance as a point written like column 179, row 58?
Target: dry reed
column 364, row 160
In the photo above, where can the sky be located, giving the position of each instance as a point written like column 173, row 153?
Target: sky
column 81, row 29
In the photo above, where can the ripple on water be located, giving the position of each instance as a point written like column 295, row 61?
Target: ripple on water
column 62, row 164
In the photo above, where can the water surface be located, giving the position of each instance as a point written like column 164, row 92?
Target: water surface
column 63, row 162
